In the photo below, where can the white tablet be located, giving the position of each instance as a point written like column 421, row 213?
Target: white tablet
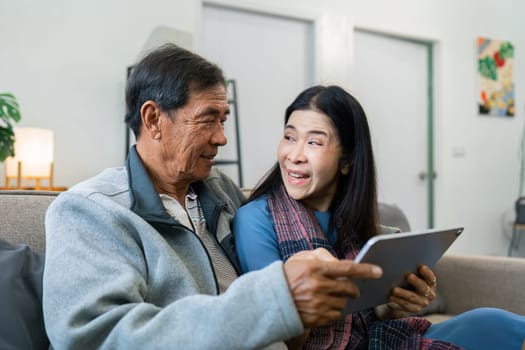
column 398, row 254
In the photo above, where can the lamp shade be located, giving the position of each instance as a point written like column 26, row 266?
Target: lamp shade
column 34, row 150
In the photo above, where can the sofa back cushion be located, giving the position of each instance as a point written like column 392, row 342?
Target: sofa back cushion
column 22, row 219
column 392, row 215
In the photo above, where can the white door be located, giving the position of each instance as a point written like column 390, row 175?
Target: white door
column 271, row 60
column 390, row 79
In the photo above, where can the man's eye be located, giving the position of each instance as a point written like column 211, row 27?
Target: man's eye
column 289, row 138
column 314, row 142
column 210, row 122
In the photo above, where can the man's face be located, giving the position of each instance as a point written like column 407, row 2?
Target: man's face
column 191, row 136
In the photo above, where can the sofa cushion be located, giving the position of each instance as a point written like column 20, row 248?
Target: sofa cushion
column 22, row 219
column 392, row 215
column 21, row 319
column 482, row 281
column 436, row 318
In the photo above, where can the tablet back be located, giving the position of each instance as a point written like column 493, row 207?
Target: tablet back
column 398, row 255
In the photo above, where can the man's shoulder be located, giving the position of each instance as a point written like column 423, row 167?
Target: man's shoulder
column 222, row 185
column 111, row 182
column 217, row 175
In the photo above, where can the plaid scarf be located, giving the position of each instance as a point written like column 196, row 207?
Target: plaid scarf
column 298, row 230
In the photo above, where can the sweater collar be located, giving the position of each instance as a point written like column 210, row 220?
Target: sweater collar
column 145, row 200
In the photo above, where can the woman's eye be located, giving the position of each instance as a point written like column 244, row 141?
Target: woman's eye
column 314, row 142
column 288, row 138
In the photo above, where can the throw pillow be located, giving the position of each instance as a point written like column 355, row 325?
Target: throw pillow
column 21, row 318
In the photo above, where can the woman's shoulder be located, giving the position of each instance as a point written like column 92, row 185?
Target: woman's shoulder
column 256, row 205
column 255, row 212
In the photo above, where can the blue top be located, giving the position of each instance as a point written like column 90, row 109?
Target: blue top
column 255, row 236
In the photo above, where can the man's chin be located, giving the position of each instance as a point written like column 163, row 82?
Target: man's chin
column 203, row 174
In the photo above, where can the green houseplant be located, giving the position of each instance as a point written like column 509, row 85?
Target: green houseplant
column 9, row 114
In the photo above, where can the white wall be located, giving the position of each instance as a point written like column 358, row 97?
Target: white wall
column 66, row 64
column 477, row 189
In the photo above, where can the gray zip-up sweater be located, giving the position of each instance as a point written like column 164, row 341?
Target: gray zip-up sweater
column 120, row 273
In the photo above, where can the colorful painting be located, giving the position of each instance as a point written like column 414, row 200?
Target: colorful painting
column 495, row 67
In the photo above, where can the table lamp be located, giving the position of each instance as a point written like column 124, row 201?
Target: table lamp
column 33, row 158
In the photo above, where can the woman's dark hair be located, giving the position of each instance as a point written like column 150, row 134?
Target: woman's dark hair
column 354, row 207
column 166, row 75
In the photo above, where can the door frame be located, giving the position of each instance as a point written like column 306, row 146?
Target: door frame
column 271, row 11
column 317, row 19
column 430, row 166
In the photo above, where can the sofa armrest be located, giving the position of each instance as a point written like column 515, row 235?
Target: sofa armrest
column 468, row 282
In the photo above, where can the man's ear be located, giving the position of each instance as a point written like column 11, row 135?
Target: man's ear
column 150, row 115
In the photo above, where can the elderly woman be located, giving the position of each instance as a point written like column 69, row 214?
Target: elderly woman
column 322, row 193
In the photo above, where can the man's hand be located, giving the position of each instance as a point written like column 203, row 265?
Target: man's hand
column 321, row 284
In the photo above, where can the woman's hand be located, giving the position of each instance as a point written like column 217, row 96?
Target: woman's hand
column 403, row 301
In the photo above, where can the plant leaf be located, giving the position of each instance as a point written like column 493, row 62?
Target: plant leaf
column 9, row 114
column 7, row 143
column 9, row 109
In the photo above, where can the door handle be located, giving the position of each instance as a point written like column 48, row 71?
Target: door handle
column 423, row 175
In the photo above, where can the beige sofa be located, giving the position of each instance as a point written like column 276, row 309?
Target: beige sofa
column 464, row 282
column 467, row 282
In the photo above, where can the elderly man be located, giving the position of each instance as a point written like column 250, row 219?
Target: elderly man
column 141, row 256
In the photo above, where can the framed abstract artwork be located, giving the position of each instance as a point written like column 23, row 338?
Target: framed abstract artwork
column 496, row 77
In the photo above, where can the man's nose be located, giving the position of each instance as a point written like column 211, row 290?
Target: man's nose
column 219, row 136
